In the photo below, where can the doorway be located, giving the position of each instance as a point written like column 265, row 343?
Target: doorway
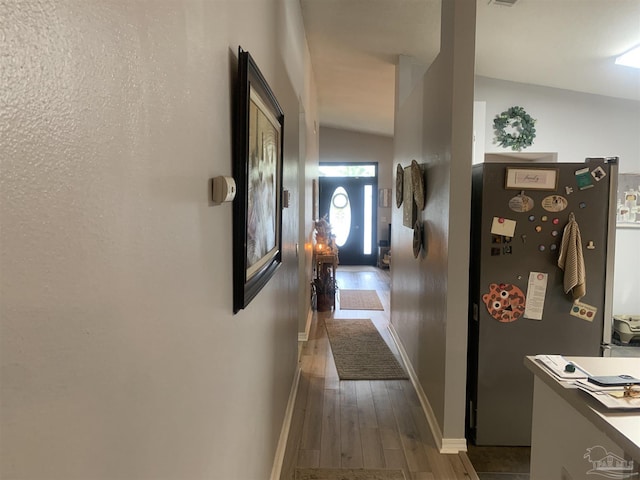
column 347, row 194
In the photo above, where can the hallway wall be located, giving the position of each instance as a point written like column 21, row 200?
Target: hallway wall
column 120, row 355
column 434, row 125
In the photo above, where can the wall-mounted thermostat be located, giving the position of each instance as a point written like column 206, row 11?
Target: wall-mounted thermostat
column 224, row 189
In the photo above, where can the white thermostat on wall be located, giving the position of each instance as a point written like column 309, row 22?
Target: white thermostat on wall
column 223, row 189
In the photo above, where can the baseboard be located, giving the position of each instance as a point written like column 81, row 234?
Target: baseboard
column 453, row 445
column 286, row 426
column 445, row 445
column 304, row 336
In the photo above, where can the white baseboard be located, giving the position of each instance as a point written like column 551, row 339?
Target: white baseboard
column 276, row 470
column 445, row 445
column 453, row 445
column 304, row 336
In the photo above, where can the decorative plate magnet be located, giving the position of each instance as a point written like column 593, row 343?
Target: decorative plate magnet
column 554, row 203
column 399, row 185
column 505, row 302
column 521, row 203
column 417, row 238
column 417, row 182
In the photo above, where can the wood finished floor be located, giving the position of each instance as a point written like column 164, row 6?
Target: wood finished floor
column 361, row 424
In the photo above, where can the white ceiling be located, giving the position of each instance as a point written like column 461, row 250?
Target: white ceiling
column 568, row 44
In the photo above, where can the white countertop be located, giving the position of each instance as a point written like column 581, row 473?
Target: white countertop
column 622, row 426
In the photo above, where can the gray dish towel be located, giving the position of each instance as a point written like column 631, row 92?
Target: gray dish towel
column 572, row 261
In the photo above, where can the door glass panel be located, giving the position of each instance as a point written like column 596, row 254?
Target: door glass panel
column 340, row 215
column 364, row 170
column 368, row 193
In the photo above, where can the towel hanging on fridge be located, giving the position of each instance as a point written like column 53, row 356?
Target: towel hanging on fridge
column 572, row 261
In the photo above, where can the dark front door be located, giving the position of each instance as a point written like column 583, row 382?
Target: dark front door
column 349, row 204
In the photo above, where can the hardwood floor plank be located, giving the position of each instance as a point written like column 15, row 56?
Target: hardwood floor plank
column 394, row 458
column 366, row 409
column 308, row 458
column 330, row 441
column 458, row 467
column 331, row 378
column 409, row 434
column 386, row 420
column 372, row 451
column 312, row 429
column 350, row 441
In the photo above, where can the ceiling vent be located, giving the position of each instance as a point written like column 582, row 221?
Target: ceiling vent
column 503, row 3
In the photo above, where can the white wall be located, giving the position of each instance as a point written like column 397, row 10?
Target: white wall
column 434, row 125
column 578, row 125
column 120, row 355
column 337, row 145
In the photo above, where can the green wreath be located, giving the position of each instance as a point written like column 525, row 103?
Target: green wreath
column 522, row 122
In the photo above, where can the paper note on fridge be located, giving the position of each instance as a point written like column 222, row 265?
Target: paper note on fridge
column 536, row 292
column 503, row 226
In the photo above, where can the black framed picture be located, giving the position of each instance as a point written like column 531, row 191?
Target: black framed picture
column 257, row 169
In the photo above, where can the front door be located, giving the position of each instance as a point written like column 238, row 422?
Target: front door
column 348, row 203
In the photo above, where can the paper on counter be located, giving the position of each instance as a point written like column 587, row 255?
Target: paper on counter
column 556, row 364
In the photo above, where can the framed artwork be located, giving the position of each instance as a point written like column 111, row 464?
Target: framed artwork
column 384, row 198
column 628, row 205
column 531, row 178
column 257, row 168
column 314, row 200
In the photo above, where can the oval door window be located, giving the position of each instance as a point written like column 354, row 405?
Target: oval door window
column 340, row 215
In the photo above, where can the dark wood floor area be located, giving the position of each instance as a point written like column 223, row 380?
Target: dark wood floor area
column 361, row 424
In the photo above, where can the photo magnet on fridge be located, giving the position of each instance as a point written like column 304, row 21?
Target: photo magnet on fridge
column 583, row 178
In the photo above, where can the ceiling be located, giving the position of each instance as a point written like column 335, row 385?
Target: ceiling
column 568, row 44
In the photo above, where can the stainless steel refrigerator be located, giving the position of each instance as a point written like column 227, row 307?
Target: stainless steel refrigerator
column 518, row 305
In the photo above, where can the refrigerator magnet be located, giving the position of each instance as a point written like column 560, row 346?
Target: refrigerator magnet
column 598, row 173
column 583, row 178
column 583, row 311
column 505, row 302
column 554, row 203
column 521, row 203
column 503, row 226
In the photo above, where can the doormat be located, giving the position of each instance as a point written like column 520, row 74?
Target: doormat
column 360, row 352
column 360, row 300
column 347, row 474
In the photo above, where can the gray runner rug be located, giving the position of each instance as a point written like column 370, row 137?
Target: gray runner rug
column 360, row 352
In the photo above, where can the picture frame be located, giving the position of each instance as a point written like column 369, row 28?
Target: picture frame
column 517, row 178
column 384, row 197
column 258, row 139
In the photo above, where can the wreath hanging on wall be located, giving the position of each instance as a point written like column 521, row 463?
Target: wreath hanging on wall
column 522, row 127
